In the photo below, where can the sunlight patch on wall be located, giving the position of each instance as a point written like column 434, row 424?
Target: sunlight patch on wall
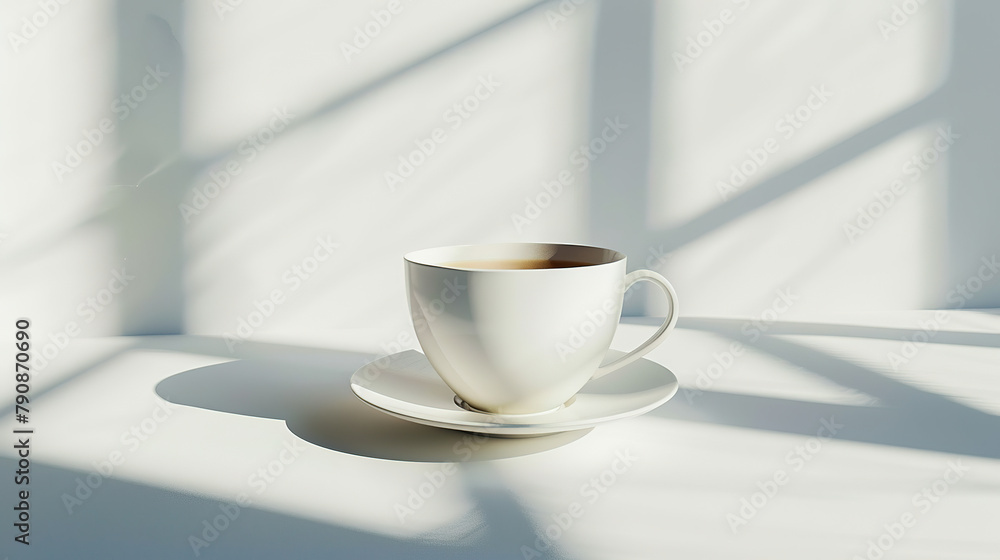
column 746, row 90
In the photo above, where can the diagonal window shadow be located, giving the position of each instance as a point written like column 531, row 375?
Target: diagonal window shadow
column 960, row 338
column 370, row 87
column 114, row 521
column 806, row 171
column 910, row 417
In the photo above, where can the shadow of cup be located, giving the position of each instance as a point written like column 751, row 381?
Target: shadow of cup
column 317, row 405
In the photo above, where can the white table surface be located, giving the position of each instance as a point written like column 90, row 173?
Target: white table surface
column 209, row 420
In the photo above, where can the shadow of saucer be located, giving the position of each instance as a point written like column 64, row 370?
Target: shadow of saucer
column 316, row 402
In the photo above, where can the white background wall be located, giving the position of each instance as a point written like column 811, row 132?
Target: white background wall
column 653, row 192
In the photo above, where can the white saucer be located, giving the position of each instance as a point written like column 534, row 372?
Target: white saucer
column 406, row 386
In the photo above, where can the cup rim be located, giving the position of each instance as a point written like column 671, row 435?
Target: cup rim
column 426, row 257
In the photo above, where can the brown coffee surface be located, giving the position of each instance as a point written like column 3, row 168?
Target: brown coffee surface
column 516, row 264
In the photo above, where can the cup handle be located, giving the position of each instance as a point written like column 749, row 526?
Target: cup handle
column 653, row 341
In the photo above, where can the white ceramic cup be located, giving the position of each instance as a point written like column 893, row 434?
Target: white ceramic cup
column 522, row 341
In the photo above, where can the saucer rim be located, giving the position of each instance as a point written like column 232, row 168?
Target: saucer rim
column 516, row 426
